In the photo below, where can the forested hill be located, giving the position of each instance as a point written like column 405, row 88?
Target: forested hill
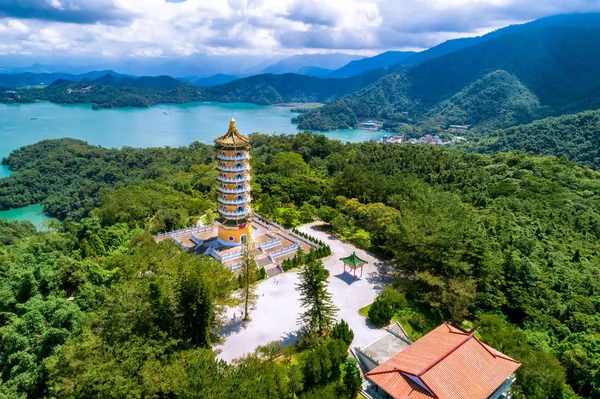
column 34, row 79
column 576, row 137
column 382, row 60
column 271, row 89
column 150, row 91
column 110, row 91
column 557, row 65
column 498, row 100
column 144, row 82
column 512, row 238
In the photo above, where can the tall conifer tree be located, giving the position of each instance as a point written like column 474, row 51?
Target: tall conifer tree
column 320, row 312
column 248, row 277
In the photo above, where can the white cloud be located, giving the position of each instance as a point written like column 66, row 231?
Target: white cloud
column 150, row 28
column 18, row 26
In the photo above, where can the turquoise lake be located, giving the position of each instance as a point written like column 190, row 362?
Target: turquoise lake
column 34, row 213
column 4, row 171
column 159, row 126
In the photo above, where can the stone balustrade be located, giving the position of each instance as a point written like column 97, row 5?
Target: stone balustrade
column 284, row 251
column 231, row 256
column 269, row 244
column 189, row 230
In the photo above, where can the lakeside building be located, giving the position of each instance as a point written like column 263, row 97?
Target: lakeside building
column 237, row 223
column 447, row 363
column 370, row 125
column 458, row 128
column 428, row 139
column 11, row 94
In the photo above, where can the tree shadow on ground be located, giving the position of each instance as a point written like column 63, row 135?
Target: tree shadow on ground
column 383, row 276
column 325, row 230
column 233, row 326
column 348, row 278
column 372, row 326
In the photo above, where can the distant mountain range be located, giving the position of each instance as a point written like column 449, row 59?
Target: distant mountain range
column 323, row 61
column 36, row 79
column 551, row 61
column 357, row 67
column 109, row 91
column 511, row 76
column 217, row 79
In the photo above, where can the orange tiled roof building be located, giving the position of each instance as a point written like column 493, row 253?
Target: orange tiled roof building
column 234, row 187
column 447, row 363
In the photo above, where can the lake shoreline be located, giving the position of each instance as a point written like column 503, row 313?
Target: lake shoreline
column 163, row 125
column 32, row 213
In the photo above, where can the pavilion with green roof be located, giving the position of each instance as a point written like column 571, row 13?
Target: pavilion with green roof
column 354, row 262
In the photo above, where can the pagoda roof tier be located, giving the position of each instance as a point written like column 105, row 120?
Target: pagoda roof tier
column 233, row 222
column 354, row 261
column 233, row 138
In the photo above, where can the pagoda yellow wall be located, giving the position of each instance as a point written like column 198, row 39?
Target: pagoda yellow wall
column 236, row 232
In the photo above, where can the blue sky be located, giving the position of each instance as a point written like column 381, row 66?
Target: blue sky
column 175, row 28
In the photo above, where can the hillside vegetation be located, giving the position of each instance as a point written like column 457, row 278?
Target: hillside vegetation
column 513, row 235
column 496, row 101
column 576, row 137
column 556, row 65
column 382, row 60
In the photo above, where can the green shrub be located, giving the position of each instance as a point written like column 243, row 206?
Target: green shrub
column 396, row 299
column 417, row 320
column 343, row 331
column 381, row 312
column 262, row 273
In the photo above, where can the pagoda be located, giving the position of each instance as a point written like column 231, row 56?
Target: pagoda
column 234, row 187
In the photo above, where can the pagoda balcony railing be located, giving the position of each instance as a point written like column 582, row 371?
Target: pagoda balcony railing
column 234, row 202
column 236, row 169
column 233, row 180
column 234, row 158
column 236, row 190
column 238, row 214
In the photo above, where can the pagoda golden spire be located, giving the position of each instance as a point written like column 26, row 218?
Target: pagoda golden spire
column 233, row 138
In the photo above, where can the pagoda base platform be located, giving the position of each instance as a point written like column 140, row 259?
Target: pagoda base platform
column 272, row 244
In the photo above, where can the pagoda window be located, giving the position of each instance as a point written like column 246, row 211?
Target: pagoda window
column 239, row 187
column 238, row 166
column 239, row 176
column 240, row 198
column 240, row 209
column 238, row 154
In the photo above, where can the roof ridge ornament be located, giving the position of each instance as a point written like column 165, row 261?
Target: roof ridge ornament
column 233, row 138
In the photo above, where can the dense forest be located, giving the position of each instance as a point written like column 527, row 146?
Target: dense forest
column 70, row 177
column 577, row 137
column 511, row 239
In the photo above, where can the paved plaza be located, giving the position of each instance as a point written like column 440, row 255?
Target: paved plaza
column 275, row 316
